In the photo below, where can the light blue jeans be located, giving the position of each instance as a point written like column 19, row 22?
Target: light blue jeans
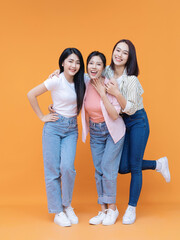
column 59, row 150
column 106, row 157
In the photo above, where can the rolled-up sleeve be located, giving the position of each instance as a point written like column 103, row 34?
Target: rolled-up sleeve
column 133, row 95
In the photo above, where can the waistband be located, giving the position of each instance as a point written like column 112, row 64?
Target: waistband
column 101, row 124
column 141, row 111
column 66, row 119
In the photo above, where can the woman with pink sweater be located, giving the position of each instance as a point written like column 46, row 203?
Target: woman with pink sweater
column 100, row 116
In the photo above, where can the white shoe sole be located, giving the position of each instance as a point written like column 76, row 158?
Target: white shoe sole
column 108, row 224
column 128, row 222
column 167, row 175
column 94, row 223
column 74, row 222
column 168, row 179
column 62, row 225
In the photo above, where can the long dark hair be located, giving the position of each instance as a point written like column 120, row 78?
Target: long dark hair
column 78, row 77
column 96, row 53
column 132, row 64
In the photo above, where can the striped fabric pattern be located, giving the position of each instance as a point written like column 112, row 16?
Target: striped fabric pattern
column 130, row 88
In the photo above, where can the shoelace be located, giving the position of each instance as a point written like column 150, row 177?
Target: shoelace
column 62, row 214
column 99, row 214
column 71, row 211
column 109, row 212
column 129, row 212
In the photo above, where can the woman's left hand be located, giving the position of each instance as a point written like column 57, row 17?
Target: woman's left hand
column 112, row 87
column 99, row 86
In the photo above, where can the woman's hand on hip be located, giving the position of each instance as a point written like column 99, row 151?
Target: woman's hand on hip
column 51, row 117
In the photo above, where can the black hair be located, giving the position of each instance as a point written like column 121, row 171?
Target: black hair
column 78, row 77
column 99, row 54
column 132, row 64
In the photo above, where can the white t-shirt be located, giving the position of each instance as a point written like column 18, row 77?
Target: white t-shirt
column 63, row 95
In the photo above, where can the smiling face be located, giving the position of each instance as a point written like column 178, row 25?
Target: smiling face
column 71, row 65
column 120, row 54
column 95, row 67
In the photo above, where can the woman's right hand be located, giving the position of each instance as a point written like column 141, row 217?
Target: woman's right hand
column 112, row 87
column 55, row 73
column 50, row 108
column 51, row 117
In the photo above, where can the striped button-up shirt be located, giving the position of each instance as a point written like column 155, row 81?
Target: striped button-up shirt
column 130, row 88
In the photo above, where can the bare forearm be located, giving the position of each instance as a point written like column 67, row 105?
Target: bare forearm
column 109, row 107
column 32, row 96
column 34, row 104
column 121, row 100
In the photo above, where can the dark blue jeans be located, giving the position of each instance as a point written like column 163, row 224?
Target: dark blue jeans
column 137, row 133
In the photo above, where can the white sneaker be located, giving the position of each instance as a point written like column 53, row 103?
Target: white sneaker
column 71, row 215
column 97, row 219
column 130, row 215
column 62, row 220
column 164, row 168
column 110, row 217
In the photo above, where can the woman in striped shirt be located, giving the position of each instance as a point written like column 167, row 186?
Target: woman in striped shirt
column 125, row 86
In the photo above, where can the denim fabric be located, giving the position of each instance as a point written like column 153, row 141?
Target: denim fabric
column 59, row 149
column 137, row 133
column 106, row 157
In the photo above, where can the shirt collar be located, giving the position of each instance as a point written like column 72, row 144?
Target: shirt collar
column 125, row 72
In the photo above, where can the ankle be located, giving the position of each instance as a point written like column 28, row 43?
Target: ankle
column 158, row 165
column 134, row 208
column 130, row 215
column 104, row 207
column 112, row 207
column 65, row 207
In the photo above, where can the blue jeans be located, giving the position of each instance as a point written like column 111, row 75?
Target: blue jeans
column 106, row 157
column 137, row 133
column 59, row 149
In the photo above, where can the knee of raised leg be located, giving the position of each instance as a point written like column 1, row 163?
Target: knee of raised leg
column 135, row 170
column 123, row 171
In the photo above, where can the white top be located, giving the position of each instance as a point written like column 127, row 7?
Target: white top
column 63, row 95
column 130, row 88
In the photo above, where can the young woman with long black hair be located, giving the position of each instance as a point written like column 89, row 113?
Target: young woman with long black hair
column 60, row 133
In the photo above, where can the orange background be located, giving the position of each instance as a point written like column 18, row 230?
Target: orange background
column 33, row 35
